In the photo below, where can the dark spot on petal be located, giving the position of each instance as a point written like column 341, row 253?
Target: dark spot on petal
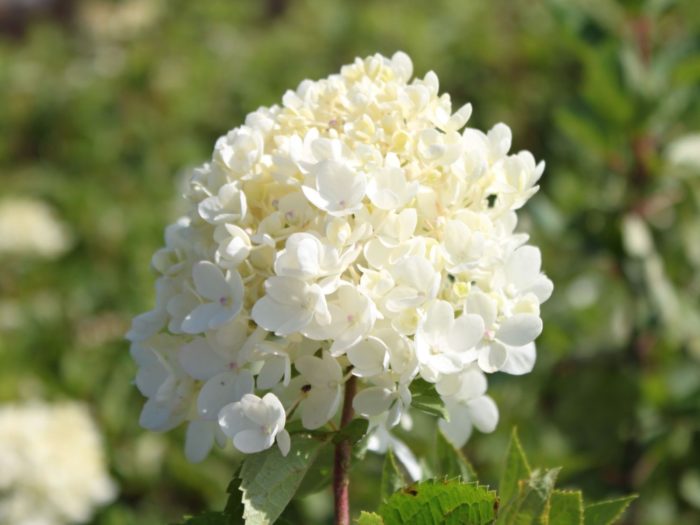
column 492, row 200
column 306, row 388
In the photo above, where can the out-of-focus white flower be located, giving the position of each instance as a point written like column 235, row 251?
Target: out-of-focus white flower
column 254, row 424
column 356, row 229
column 52, row 466
column 29, row 227
column 685, row 151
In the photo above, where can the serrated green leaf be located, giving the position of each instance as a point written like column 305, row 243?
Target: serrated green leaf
column 606, row 512
column 531, row 500
column 369, row 518
column 426, row 399
column 353, row 431
column 565, row 508
column 440, row 502
column 234, row 504
column 269, row 480
column 393, row 477
column 451, row 462
column 515, row 468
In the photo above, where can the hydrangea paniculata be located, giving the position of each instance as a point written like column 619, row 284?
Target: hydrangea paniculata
column 357, row 228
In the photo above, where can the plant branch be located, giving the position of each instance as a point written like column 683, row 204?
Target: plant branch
column 343, row 453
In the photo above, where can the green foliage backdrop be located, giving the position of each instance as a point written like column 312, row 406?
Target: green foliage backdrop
column 103, row 104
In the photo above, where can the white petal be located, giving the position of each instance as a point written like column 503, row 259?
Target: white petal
column 200, row 360
column 276, row 416
column 232, row 420
column 199, row 440
column 473, row 384
column 282, row 319
column 521, row 359
column 209, row 280
column 467, row 331
column 493, row 357
column 483, row 413
column 459, row 428
column 520, row 329
column 252, row 441
column 199, row 319
column 373, row 401
column 283, row 442
column 255, row 409
column 222, row 389
column 439, row 320
column 369, row 357
column 459, row 119
column 147, row 324
column 271, row 373
column 407, row 458
column 523, row 266
column 319, row 407
column 159, row 417
column 542, row 288
column 481, row 304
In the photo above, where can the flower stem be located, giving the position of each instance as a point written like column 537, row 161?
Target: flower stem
column 343, row 454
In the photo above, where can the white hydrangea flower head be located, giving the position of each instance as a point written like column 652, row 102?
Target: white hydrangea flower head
column 356, row 229
column 52, row 465
column 30, row 227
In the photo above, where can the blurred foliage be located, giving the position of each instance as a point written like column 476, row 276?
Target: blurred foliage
column 102, row 105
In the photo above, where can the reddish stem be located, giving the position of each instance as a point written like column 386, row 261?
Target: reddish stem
column 343, row 454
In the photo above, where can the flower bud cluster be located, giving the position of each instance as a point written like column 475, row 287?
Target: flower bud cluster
column 356, row 229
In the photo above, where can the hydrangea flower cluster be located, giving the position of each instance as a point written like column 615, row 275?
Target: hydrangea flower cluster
column 52, row 466
column 356, row 229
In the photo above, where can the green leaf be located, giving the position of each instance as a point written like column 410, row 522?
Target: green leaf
column 451, row 462
column 515, row 468
column 440, row 502
column 234, row 504
column 566, row 508
column 320, row 474
column 209, row 518
column 426, row 399
column 369, row 518
column 269, row 480
column 393, row 477
column 606, row 512
column 532, row 499
column 353, row 431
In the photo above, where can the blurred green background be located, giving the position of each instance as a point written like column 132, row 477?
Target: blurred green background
column 104, row 104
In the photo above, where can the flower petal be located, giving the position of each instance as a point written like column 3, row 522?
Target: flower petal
column 283, row 442
column 521, row 359
column 209, row 280
column 252, row 441
column 200, row 360
column 199, row 319
column 483, row 413
column 319, row 407
column 373, row 401
column 520, row 329
column 199, row 440
column 222, row 389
